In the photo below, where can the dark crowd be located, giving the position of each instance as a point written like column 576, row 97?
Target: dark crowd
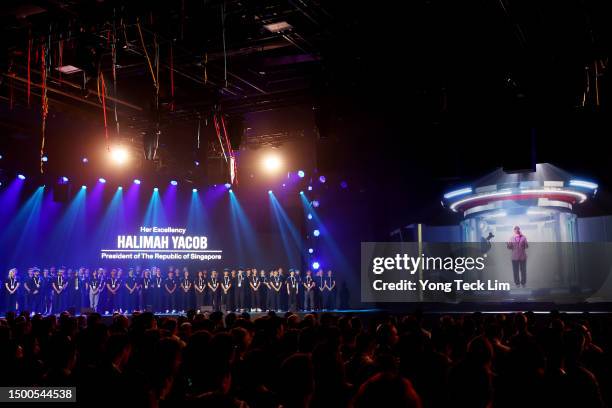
column 314, row 360
column 52, row 290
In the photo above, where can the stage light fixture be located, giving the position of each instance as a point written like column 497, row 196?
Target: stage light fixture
column 301, row 174
column 316, row 233
column 309, row 188
column 44, row 159
column 174, row 182
column 1, row 157
column 272, row 163
column 322, row 179
column 228, row 185
column 231, row 191
column 315, row 203
column 136, row 181
column 156, row 189
column 197, row 163
column 310, row 250
column 101, row 180
column 83, row 187
column 315, row 265
column 269, row 191
column 195, row 190
column 119, row 155
column 64, row 179
column 85, row 160
column 21, row 177
column 584, row 184
column 301, row 193
column 310, row 216
column 456, row 193
column 120, row 188
column 343, row 184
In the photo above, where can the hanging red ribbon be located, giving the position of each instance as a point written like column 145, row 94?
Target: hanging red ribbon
column 233, row 163
column 171, row 78
column 45, row 104
column 29, row 60
column 103, row 86
column 218, row 130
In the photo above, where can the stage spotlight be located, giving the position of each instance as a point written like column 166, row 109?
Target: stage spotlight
column 174, row 182
column 83, row 187
column 272, row 163
column 322, row 179
column 195, row 190
column 156, row 189
column 101, row 180
column 315, row 265
column 1, row 157
column 301, row 174
column 21, row 177
column 119, row 155
column 343, row 184
column 197, row 163
column 310, row 216
column 228, row 185
column 309, row 188
column 136, row 181
column 284, row 185
column 119, row 188
column 269, row 191
column 301, row 193
column 310, row 250
column 315, row 203
column 85, row 160
column 44, row 159
column 316, row 233
column 64, row 179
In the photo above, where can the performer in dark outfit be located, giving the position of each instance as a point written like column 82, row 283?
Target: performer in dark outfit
column 206, row 298
column 199, row 286
column 292, row 291
column 146, row 290
column 255, row 285
column 131, row 291
column 94, row 288
column 309, row 292
column 36, row 294
column 59, row 291
column 186, row 291
column 329, row 294
column 113, row 284
column 240, row 291
column 46, row 296
column 158, row 291
column 170, row 292
column 11, row 287
column 74, row 295
column 276, row 285
column 226, row 286
column 23, row 297
column 213, row 285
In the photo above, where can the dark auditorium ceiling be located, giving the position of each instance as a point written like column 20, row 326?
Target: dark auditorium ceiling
column 380, row 76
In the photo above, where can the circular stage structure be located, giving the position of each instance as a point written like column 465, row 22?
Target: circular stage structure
column 542, row 203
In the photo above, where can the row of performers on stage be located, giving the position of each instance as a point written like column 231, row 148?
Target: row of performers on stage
column 108, row 291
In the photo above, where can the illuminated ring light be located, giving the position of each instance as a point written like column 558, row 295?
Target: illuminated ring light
column 570, row 196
